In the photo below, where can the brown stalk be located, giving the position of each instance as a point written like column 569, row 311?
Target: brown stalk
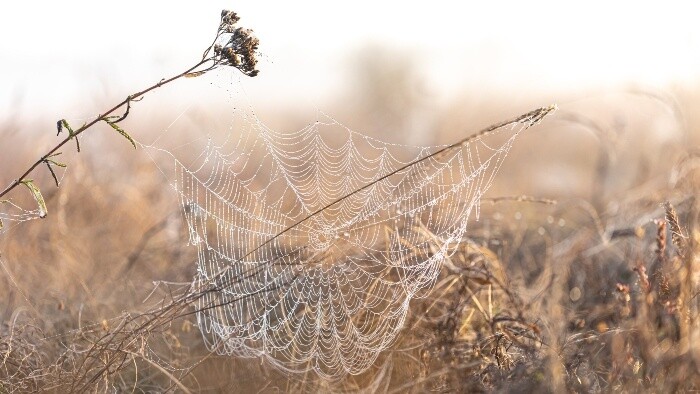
column 239, row 52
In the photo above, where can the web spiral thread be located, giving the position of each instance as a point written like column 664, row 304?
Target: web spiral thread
column 311, row 244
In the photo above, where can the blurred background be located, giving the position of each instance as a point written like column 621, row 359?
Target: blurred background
column 317, row 55
column 424, row 75
column 625, row 75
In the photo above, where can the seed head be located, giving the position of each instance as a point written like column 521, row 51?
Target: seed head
column 239, row 46
column 229, row 18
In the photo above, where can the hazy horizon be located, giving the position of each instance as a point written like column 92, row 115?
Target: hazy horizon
column 77, row 50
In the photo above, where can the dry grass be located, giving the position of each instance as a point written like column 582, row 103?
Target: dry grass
column 595, row 293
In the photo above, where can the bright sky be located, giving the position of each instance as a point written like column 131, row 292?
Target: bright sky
column 52, row 51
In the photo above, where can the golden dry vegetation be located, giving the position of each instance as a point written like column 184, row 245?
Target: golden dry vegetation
column 588, row 283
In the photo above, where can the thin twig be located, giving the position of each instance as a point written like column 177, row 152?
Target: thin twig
column 238, row 52
column 18, row 180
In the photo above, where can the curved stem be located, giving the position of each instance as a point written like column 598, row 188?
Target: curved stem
column 100, row 117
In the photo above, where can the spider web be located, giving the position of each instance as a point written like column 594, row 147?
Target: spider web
column 14, row 207
column 311, row 244
column 12, row 214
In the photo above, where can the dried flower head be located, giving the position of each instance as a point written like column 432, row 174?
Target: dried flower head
column 676, row 232
column 229, row 18
column 239, row 46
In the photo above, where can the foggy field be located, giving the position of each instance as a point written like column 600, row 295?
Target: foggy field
column 398, row 224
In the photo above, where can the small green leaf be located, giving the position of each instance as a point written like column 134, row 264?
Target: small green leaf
column 29, row 183
column 48, row 161
column 122, row 132
column 57, row 164
column 53, row 174
column 67, row 126
column 64, row 125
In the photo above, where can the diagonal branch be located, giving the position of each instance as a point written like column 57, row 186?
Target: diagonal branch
column 238, row 50
column 529, row 119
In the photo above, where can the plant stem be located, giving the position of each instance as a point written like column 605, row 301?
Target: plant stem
column 101, row 117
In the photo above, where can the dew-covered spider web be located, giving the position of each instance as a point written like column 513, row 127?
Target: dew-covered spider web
column 11, row 214
column 311, row 244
